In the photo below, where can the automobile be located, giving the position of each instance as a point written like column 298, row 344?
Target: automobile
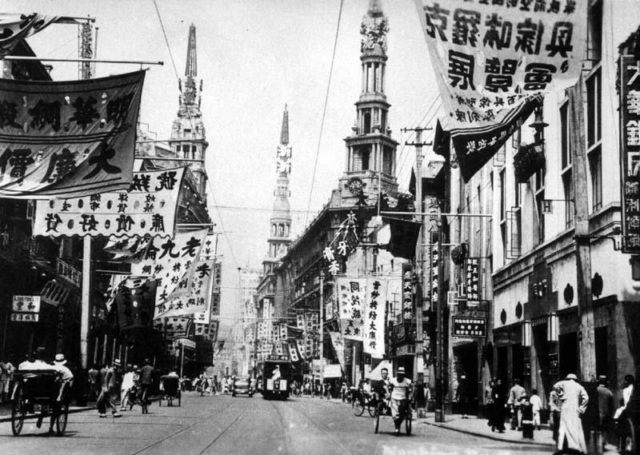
column 242, row 386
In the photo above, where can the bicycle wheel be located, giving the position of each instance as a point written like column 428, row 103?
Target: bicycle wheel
column 357, row 407
column 61, row 420
column 18, row 412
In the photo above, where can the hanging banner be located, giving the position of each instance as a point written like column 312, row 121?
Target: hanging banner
column 338, row 344
column 173, row 328
column 172, row 263
column 407, row 293
column 197, row 298
column 629, row 74
column 68, row 139
column 375, row 308
column 351, row 300
column 148, row 208
column 343, row 243
column 489, row 57
column 294, row 354
column 16, row 27
column 136, row 305
column 208, row 330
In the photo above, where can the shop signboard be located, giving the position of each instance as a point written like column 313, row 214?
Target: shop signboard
column 26, row 308
column 469, row 327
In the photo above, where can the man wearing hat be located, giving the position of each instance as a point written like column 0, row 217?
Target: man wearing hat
column 605, row 410
column 573, row 403
column 65, row 377
column 109, row 390
column 400, row 394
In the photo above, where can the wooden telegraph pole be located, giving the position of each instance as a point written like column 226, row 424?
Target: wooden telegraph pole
column 420, row 268
column 586, row 333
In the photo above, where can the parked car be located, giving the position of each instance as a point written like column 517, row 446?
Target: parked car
column 242, row 386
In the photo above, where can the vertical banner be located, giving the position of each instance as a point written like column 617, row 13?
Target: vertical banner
column 294, row 355
column 472, row 280
column 351, row 300
column 338, row 344
column 490, row 58
column 374, row 317
column 630, row 152
column 68, row 138
column 407, row 292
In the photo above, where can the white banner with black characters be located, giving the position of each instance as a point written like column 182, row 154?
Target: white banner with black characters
column 196, row 299
column 147, row 208
column 172, row 262
column 351, row 299
column 491, row 55
column 374, row 317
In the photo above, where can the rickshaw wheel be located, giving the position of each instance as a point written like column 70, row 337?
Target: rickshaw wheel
column 372, row 409
column 357, row 407
column 18, row 412
column 377, row 424
column 628, row 443
column 61, row 420
column 407, row 422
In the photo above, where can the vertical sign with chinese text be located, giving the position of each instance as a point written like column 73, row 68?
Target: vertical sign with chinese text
column 351, row 299
column 630, row 152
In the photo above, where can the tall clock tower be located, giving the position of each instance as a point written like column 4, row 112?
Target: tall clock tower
column 188, row 136
column 280, row 229
column 371, row 152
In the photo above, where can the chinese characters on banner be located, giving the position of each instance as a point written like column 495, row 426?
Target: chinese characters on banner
column 294, row 355
column 17, row 27
column 345, row 240
column 351, row 300
column 148, row 207
column 630, row 152
column 167, row 260
column 490, row 56
column 472, row 280
column 173, row 327
column 68, row 139
column 196, row 299
column 407, row 292
column 207, row 330
column 375, row 308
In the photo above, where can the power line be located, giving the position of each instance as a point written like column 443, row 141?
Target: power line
column 224, row 233
column 324, row 111
column 166, row 40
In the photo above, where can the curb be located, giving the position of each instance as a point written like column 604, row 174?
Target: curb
column 488, row 436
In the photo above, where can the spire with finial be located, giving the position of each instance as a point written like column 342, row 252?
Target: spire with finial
column 374, row 29
column 284, row 135
column 191, row 68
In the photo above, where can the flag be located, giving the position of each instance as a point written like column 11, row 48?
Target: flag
column 404, row 237
column 148, row 207
column 68, row 139
column 17, row 27
column 491, row 58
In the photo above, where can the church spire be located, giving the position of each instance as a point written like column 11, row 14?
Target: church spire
column 284, row 135
column 191, row 68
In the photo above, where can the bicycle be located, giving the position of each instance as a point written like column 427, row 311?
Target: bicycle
column 359, row 402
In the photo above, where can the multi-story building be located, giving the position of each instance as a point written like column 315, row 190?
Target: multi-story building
column 557, row 293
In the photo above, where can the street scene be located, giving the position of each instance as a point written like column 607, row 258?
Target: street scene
column 329, row 226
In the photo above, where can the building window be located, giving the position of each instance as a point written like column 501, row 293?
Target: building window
column 361, row 158
column 567, row 165
column 387, row 161
column 594, row 136
column 594, row 32
column 366, row 120
column 538, row 190
column 564, row 135
column 503, row 202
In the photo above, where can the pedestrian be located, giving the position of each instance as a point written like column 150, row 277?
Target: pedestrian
column 573, row 403
column 627, row 390
column 515, row 395
column 527, row 422
column 4, row 382
column 463, row 396
column 499, row 407
column 344, row 391
column 109, row 389
column 489, row 404
column 146, row 380
column 93, row 379
column 128, row 381
column 401, row 388
column 605, row 412
column 536, row 406
column 554, row 412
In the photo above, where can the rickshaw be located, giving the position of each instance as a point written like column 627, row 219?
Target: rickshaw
column 35, row 394
column 359, row 402
column 383, row 410
column 169, row 389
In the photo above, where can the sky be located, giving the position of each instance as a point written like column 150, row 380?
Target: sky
column 255, row 56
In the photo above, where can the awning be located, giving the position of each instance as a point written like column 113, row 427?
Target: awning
column 332, row 371
column 375, row 374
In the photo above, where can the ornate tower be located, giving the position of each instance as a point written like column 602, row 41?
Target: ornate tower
column 279, row 236
column 371, row 152
column 188, row 129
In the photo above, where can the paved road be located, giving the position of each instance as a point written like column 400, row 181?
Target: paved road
column 226, row 425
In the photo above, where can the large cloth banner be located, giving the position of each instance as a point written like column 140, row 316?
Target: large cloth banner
column 196, row 299
column 491, row 56
column 148, row 207
column 174, row 327
column 209, row 330
column 16, row 27
column 135, row 305
column 68, row 139
column 351, row 299
column 374, row 312
column 172, row 262
column 338, row 344
column 294, row 354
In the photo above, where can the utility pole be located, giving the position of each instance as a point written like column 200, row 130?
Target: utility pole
column 420, row 251
column 321, row 318
column 586, row 333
